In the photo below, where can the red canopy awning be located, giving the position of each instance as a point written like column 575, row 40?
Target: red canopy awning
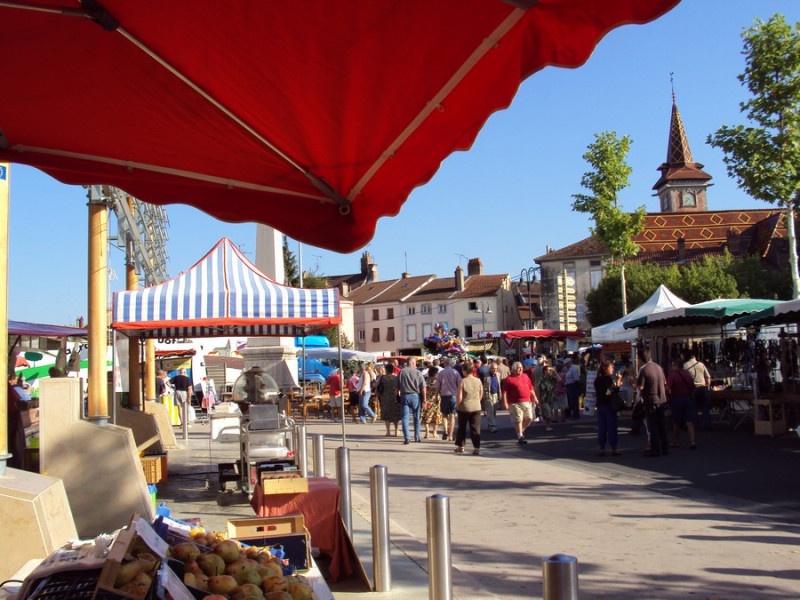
column 532, row 333
column 317, row 118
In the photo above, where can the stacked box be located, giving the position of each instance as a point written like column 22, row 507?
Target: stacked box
column 288, row 531
column 283, row 482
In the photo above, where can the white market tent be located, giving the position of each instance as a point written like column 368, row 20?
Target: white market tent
column 661, row 300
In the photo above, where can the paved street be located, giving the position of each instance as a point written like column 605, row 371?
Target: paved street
column 719, row 522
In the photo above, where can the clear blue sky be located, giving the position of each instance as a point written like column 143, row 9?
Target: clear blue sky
column 505, row 200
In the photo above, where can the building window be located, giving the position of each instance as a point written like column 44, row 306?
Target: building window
column 595, row 273
column 390, row 313
column 375, row 315
column 427, row 328
column 361, row 335
column 376, row 334
column 411, row 333
column 468, row 331
column 472, row 306
column 390, row 334
column 425, row 309
column 442, row 309
column 412, row 310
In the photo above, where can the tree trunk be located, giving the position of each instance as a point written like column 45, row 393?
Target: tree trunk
column 792, row 246
column 624, row 291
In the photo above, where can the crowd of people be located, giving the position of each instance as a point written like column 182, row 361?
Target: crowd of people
column 446, row 398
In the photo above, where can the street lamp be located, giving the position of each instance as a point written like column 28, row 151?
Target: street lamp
column 529, row 276
column 484, row 309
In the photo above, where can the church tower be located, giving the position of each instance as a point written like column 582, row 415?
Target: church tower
column 682, row 185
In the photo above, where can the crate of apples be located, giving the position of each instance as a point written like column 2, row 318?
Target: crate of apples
column 227, row 570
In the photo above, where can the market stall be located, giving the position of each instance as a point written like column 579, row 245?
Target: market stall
column 778, row 406
column 708, row 329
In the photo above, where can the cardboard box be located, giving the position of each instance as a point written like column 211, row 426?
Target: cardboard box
column 138, row 535
column 283, row 482
column 288, row 531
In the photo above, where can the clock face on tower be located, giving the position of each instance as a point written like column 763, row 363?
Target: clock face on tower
column 689, row 199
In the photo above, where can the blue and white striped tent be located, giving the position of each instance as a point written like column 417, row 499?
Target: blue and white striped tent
column 224, row 294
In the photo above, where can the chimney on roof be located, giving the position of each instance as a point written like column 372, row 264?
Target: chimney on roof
column 474, row 267
column 405, row 275
column 681, row 250
column 459, row 279
column 344, row 288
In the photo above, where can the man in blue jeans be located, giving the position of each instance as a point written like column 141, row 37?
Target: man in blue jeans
column 412, row 393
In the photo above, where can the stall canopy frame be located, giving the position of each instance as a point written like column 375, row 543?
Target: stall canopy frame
column 224, row 294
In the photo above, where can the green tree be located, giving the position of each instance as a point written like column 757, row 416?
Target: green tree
column 290, row 265
column 757, row 280
column 708, row 279
column 764, row 158
column 612, row 226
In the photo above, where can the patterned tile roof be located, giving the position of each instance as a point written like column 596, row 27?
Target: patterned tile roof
column 704, row 229
column 704, row 233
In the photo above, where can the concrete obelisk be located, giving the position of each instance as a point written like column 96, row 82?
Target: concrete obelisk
column 276, row 355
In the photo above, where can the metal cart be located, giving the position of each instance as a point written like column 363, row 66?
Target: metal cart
column 266, row 437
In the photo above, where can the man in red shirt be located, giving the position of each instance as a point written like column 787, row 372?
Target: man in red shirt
column 334, row 383
column 519, row 397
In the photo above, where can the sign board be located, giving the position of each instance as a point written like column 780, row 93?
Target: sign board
column 569, row 281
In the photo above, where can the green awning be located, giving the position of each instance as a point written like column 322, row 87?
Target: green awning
column 711, row 312
column 781, row 313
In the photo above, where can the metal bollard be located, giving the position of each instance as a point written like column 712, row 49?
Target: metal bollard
column 440, row 583
column 318, row 443
column 301, row 450
column 379, row 503
column 343, row 479
column 560, row 577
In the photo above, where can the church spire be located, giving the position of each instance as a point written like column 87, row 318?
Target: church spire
column 682, row 185
column 678, row 151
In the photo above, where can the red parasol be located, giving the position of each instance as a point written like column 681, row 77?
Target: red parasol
column 314, row 117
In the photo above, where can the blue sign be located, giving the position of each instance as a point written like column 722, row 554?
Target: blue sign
column 3, row 173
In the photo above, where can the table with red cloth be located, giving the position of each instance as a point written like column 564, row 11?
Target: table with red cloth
column 320, row 510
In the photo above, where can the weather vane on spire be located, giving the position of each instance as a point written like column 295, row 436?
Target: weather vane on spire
column 672, row 84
